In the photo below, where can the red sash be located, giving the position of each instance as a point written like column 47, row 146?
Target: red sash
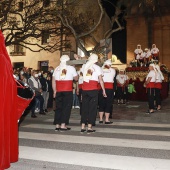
column 92, row 85
column 158, row 85
column 150, row 85
column 64, row 85
column 80, row 86
column 108, row 85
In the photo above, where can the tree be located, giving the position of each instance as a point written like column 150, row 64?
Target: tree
column 30, row 22
column 25, row 23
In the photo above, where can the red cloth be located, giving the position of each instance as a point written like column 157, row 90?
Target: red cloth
column 108, row 85
column 158, row 85
column 64, row 85
column 8, row 111
column 92, row 85
column 141, row 95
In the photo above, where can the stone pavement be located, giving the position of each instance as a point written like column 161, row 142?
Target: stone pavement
column 135, row 141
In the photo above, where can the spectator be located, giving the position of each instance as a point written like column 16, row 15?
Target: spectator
column 35, row 84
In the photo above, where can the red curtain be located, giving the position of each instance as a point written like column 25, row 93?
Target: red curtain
column 8, row 110
column 141, row 95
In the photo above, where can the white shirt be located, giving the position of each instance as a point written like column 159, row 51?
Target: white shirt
column 154, row 50
column 151, row 74
column 146, row 54
column 71, row 73
column 95, row 70
column 137, row 51
column 108, row 75
column 158, row 78
column 139, row 57
column 121, row 78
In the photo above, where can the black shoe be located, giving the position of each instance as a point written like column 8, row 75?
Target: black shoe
column 46, row 110
column 90, row 131
column 42, row 113
column 149, row 112
column 63, row 129
column 33, row 116
column 83, row 130
column 108, row 123
column 100, row 122
column 57, row 129
column 68, row 128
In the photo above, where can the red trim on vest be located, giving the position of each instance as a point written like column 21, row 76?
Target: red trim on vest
column 120, row 85
column 150, row 85
column 92, row 85
column 158, row 85
column 80, row 86
column 155, row 55
column 64, row 85
column 108, row 85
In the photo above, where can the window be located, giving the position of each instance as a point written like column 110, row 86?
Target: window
column 20, row 6
column 45, row 37
column 17, row 50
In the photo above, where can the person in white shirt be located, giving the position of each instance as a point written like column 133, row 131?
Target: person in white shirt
column 137, row 51
column 155, row 53
column 158, row 87
column 147, row 56
column 92, row 73
column 105, row 103
column 150, row 86
column 121, row 84
column 62, row 84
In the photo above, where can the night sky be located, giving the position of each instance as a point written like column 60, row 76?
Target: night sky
column 119, row 39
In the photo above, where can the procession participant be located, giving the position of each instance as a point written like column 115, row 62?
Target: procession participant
column 155, row 53
column 150, row 86
column 147, row 56
column 158, row 87
column 121, row 82
column 35, row 84
column 62, row 84
column 79, row 88
column 105, row 103
column 140, row 59
column 92, row 73
column 137, row 51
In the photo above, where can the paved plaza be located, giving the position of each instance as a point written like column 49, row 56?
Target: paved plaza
column 135, row 141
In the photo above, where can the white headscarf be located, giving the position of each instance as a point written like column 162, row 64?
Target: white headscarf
column 159, row 71
column 153, row 65
column 63, row 65
column 108, row 62
column 92, row 59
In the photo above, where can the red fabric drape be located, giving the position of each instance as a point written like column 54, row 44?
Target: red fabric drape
column 141, row 95
column 8, row 110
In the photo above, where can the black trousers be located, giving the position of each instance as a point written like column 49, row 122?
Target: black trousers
column 158, row 96
column 89, row 106
column 151, row 93
column 105, row 103
column 64, row 102
column 120, row 93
